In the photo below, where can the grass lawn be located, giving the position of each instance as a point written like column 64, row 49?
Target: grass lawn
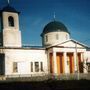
column 47, row 85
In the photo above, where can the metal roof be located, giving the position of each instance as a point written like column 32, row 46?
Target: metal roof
column 8, row 8
column 54, row 26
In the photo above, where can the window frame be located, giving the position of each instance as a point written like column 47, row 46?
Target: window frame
column 15, row 67
column 11, row 21
column 31, row 66
column 41, row 65
column 36, row 66
column 46, row 38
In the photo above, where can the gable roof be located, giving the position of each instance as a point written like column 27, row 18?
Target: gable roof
column 72, row 40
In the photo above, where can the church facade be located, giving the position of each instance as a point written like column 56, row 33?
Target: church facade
column 59, row 54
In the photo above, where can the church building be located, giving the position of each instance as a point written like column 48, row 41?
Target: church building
column 58, row 55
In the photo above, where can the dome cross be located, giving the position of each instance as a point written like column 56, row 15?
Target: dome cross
column 8, row 1
column 54, row 15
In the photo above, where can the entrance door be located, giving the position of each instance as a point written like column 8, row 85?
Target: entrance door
column 60, row 63
column 2, row 64
column 80, row 63
column 51, row 63
column 70, row 62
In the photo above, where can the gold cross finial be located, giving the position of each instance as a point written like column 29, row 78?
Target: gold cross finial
column 8, row 1
column 54, row 16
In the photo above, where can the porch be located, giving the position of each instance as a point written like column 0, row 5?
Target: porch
column 66, row 63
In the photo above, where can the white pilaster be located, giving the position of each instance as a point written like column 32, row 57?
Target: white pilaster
column 75, row 62
column 55, row 63
column 39, row 66
column 65, row 62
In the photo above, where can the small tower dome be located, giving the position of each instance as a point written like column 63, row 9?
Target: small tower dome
column 8, row 8
column 54, row 32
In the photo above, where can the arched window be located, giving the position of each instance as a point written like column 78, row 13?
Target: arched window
column 57, row 36
column 46, row 38
column 11, row 21
column 66, row 36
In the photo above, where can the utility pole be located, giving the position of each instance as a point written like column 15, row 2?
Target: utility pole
column 77, row 62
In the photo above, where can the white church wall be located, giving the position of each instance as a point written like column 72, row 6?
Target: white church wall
column 55, row 37
column 12, row 38
column 24, row 57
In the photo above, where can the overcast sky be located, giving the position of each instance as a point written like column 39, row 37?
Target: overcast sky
column 35, row 14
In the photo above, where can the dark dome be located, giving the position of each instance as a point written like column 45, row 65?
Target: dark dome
column 8, row 8
column 55, row 26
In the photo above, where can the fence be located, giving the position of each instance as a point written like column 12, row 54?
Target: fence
column 74, row 76
column 42, row 77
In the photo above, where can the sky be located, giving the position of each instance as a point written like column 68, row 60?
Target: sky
column 35, row 14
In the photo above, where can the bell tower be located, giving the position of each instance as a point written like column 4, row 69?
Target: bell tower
column 10, row 33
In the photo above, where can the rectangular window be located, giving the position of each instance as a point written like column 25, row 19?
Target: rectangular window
column 36, row 66
column 41, row 66
column 15, row 67
column 31, row 66
column 46, row 38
